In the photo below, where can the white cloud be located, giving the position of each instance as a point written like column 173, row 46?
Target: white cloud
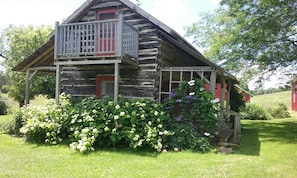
column 174, row 13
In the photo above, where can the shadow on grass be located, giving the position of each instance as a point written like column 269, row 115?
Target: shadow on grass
column 250, row 143
column 256, row 132
column 282, row 132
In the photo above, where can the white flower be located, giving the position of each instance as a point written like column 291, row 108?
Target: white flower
column 156, row 113
column 95, row 130
column 201, row 89
column 191, row 83
column 85, row 130
column 160, row 125
column 106, row 129
column 215, row 100
column 136, row 137
column 117, row 106
column 142, row 116
column 122, row 113
column 161, row 133
column 149, row 123
column 76, row 132
column 192, row 93
column 116, row 117
column 207, row 134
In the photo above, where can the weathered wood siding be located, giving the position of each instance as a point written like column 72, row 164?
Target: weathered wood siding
column 142, row 82
column 172, row 56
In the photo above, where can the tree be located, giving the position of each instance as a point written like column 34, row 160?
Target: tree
column 254, row 35
column 17, row 43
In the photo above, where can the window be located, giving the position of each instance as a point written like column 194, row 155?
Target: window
column 104, row 86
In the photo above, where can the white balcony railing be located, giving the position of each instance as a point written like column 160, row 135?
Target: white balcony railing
column 96, row 39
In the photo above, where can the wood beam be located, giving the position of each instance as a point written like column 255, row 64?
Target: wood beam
column 27, row 96
column 222, row 97
column 213, row 80
column 58, row 80
column 88, row 62
column 116, row 82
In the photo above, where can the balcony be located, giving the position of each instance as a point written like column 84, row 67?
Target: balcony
column 95, row 40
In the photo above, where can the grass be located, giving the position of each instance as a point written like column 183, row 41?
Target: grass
column 273, row 99
column 267, row 149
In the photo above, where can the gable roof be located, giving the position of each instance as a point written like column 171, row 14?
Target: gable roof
column 168, row 32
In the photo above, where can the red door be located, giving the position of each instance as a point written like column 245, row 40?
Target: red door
column 107, row 29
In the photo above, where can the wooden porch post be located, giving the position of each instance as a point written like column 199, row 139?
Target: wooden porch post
column 213, row 80
column 116, row 82
column 222, row 97
column 228, row 94
column 27, row 96
column 58, row 80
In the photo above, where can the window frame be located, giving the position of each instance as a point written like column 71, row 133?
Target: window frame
column 99, row 80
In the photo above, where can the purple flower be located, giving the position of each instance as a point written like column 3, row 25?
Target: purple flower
column 190, row 97
column 178, row 118
column 171, row 94
column 178, row 100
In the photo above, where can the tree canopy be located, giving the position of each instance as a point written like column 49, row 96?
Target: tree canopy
column 17, row 43
column 249, row 35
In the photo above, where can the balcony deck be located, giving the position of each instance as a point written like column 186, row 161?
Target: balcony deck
column 96, row 40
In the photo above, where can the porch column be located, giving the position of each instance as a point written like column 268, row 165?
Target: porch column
column 27, row 95
column 58, row 80
column 213, row 80
column 228, row 107
column 222, row 97
column 116, row 81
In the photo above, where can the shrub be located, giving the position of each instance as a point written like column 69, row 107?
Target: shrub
column 281, row 111
column 3, row 106
column 90, row 123
column 236, row 100
column 194, row 113
column 13, row 126
column 255, row 112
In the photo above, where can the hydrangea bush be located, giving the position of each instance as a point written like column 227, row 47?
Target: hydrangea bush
column 184, row 121
column 92, row 123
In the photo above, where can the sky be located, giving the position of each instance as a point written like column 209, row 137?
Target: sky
column 177, row 14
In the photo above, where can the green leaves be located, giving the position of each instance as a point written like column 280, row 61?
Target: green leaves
column 17, row 43
column 93, row 123
column 247, row 33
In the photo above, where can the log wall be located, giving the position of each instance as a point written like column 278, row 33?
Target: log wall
column 142, row 82
column 155, row 51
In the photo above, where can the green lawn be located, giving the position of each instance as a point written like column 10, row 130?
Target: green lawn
column 267, row 149
column 273, row 99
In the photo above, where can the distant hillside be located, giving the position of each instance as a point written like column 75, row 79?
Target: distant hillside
column 272, row 99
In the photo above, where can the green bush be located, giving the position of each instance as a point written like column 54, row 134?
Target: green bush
column 3, row 106
column 281, row 111
column 255, row 112
column 194, row 115
column 13, row 126
column 92, row 123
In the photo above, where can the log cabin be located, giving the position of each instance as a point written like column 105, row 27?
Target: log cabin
column 112, row 47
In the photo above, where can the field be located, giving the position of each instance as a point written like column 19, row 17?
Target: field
column 267, row 149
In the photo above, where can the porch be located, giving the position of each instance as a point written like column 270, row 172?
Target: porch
column 96, row 40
